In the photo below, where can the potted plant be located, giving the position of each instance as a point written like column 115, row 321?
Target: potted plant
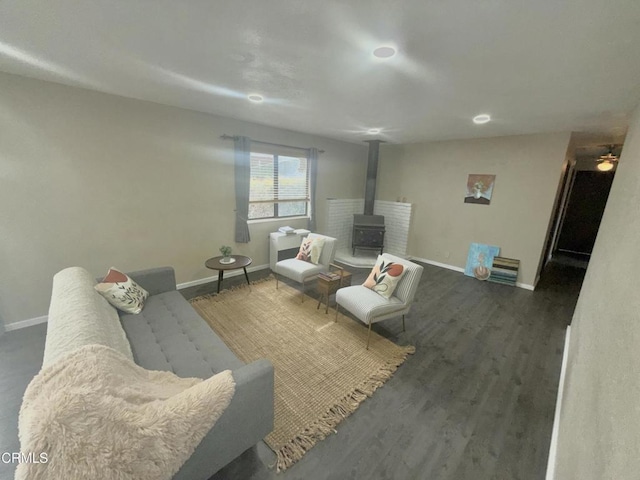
column 478, row 189
column 225, row 250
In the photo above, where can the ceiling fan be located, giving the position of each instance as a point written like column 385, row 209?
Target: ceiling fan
column 607, row 161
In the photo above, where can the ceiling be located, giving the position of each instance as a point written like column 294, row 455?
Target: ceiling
column 534, row 66
column 594, row 152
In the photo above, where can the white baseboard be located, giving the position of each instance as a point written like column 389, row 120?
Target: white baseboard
column 232, row 273
column 526, row 286
column 553, row 448
column 438, row 264
column 25, row 323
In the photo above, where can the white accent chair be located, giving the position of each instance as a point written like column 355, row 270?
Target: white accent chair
column 370, row 307
column 300, row 270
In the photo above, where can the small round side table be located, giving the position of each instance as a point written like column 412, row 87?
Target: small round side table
column 242, row 262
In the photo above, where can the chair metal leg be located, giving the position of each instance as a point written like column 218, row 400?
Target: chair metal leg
column 276, row 279
column 302, row 292
column 403, row 323
column 337, row 306
column 368, row 335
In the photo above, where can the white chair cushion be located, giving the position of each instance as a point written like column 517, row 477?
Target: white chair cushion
column 367, row 305
column 298, row 270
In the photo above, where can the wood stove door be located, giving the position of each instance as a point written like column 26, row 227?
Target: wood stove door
column 367, row 238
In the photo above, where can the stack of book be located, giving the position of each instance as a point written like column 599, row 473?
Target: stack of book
column 286, row 230
column 330, row 276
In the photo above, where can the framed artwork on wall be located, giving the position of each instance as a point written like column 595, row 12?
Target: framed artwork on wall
column 479, row 188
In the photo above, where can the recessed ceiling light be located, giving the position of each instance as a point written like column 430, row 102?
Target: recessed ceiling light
column 374, row 131
column 480, row 119
column 255, row 98
column 384, row 52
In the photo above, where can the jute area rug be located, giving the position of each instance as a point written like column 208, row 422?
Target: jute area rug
column 322, row 369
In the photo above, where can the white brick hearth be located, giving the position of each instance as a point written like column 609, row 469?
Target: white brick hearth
column 397, row 220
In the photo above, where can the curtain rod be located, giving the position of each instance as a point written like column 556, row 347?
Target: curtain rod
column 231, row 137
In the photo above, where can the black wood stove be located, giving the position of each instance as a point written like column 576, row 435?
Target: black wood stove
column 368, row 232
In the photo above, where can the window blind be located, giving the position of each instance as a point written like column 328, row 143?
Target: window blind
column 278, row 178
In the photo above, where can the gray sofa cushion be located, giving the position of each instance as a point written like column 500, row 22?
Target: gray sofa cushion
column 169, row 335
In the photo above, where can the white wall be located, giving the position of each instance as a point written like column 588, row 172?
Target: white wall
column 97, row 180
column 599, row 428
column 433, row 176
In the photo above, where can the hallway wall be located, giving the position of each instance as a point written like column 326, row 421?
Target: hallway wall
column 599, row 436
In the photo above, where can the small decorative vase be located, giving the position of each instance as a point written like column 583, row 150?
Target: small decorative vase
column 226, row 260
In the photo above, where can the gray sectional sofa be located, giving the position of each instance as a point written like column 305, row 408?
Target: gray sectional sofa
column 167, row 335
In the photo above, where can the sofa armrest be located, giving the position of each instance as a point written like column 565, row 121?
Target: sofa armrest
column 155, row 280
column 246, row 421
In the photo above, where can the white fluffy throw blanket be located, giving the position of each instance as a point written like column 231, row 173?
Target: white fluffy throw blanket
column 98, row 415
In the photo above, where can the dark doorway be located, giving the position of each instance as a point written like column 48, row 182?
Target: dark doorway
column 584, row 211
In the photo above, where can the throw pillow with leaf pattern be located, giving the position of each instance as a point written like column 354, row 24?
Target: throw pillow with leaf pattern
column 384, row 277
column 122, row 292
column 311, row 249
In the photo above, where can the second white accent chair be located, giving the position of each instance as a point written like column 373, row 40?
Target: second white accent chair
column 300, row 271
column 370, row 307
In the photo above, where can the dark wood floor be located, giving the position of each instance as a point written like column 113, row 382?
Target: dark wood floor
column 475, row 401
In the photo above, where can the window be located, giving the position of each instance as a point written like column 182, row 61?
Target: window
column 279, row 186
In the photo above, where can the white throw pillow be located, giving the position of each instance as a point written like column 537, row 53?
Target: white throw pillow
column 311, row 249
column 384, row 277
column 122, row 292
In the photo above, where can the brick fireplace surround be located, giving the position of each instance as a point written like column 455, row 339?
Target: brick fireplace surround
column 397, row 220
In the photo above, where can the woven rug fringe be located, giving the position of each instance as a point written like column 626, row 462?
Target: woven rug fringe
column 298, row 446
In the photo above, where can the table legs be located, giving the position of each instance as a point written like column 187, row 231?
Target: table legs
column 220, row 277
column 323, row 296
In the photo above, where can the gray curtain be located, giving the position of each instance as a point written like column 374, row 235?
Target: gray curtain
column 242, row 170
column 313, row 177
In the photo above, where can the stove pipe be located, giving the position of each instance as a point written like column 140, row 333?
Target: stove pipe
column 372, row 174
